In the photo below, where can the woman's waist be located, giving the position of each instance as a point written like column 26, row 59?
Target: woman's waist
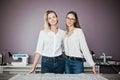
column 74, row 58
column 53, row 57
column 51, row 54
column 78, row 54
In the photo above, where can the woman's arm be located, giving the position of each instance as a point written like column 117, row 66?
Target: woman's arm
column 36, row 59
column 86, row 52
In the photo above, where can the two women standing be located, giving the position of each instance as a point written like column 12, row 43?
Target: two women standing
column 50, row 44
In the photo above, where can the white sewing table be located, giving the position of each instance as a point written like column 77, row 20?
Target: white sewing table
column 18, row 69
column 24, row 69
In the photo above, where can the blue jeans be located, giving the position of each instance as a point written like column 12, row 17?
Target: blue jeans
column 73, row 66
column 53, row 64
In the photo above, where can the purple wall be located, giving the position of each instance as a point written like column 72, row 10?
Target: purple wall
column 21, row 20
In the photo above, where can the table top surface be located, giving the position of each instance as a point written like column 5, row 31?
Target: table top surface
column 28, row 65
column 52, row 76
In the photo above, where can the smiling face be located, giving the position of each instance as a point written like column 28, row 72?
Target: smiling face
column 70, row 20
column 52, row 19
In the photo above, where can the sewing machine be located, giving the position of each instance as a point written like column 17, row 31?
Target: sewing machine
column 104, row 57
column 24, row 58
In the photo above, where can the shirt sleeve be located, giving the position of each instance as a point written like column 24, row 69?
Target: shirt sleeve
column 39, row 47
column 63, row 49
column 85, row 49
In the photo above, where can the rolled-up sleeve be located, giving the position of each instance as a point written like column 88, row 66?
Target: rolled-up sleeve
column 39, row 47
column 85, row 49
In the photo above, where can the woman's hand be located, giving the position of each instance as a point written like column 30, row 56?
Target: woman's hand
column 94, row 70
column 32, row 71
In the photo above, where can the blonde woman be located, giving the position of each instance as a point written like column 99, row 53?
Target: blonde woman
column 75, row 46
column 49, row 46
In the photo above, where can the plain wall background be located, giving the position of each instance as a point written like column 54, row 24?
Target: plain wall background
column 21, row 20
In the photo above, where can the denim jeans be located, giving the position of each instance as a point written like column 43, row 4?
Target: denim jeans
column 73, row 66
column 53, row 64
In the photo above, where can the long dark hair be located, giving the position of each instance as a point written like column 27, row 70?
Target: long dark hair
column 76, row 24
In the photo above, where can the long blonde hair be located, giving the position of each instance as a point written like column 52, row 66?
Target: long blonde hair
column 47, row 26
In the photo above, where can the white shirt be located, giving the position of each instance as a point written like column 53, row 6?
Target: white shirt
column 76, row 46
column 50, row 44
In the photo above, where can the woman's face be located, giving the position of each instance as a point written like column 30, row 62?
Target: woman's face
column 70, row 20
column 52, row 19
